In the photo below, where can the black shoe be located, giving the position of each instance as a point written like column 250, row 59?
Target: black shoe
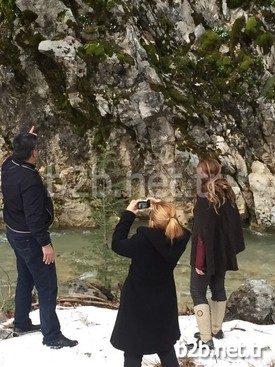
column 61, row 342
column 196, row 345
column 29, row 329
column 219, row 335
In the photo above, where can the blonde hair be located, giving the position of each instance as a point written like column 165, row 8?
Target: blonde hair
column 215, row 188
column 163, row 215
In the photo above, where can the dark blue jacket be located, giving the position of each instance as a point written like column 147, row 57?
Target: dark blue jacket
column 28, row 207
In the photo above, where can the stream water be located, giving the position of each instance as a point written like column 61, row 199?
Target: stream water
column 81, row 252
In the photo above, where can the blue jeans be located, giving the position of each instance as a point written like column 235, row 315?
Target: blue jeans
column 32, row 271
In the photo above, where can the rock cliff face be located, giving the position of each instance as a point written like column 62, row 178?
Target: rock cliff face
column 127, row 95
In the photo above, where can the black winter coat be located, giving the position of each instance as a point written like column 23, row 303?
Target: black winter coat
column 147, row 319
column 28, row 207
column 221, row 233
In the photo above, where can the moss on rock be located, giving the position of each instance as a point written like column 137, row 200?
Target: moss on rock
column 235, row 33
column 265, row 40
column 209, row 41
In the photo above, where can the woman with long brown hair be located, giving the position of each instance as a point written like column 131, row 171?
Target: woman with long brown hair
column 147, row 319
column 217, row 238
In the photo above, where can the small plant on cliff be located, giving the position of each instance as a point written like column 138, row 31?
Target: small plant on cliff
column 7, row 10
column 221, row 31
column 252, row 27
column 265, row 40
column 235, row 33
column 268, row 90
column 100, row 49
column 209, row 41
column 254, row 30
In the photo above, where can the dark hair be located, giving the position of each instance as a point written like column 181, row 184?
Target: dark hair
column 215, row 188
column 23, row 145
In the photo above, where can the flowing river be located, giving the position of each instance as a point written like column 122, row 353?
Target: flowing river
column 81, row 252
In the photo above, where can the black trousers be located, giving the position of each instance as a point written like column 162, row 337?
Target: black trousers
column 167, row 359
column 200, row 283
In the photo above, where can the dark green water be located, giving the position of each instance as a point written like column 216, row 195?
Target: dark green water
column 81, row 251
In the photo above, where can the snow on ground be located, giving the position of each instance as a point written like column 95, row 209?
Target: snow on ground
column 244, row 345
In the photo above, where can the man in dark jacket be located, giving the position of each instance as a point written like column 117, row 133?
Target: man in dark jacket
column 28, row 213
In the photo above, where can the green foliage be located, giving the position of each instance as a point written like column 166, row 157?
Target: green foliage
column 265, row 40
column 246, row 63
column 235, row 33
column 59, row 37
column 125, row 58
column 176, row 95
column 209, row 41
column 7, row 10
column 97, row 48
column 268, row 89
column 100, row 49
column 110, row 4
column 252, row 27
column 222, row 32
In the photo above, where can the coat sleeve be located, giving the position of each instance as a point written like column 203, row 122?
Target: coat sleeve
column 121, row 244
column 33, row 202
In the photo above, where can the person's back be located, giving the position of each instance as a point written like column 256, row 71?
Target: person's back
column 19, row 180
column 147, row 320
column 216, row 240
column 28, row 212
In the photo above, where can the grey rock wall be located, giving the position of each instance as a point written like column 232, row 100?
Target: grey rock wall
column 127, row 96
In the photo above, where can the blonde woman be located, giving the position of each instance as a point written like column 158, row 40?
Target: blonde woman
column 217, row 238
column 147, row 319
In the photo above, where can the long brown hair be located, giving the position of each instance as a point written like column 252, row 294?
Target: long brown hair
column 163, row 215
column 211, row 185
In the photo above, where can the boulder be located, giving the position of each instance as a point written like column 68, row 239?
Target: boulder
column 254, row 302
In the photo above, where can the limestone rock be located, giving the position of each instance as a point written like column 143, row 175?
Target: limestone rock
column 261, row 182
column 254, row 302
column 140, row 80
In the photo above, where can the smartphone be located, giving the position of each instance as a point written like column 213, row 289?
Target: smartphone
column 143, row 204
